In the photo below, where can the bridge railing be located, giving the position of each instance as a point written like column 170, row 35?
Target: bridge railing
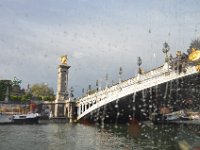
column 140, row 82
column 138, row 79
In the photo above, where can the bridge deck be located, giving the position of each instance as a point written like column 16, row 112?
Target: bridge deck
column 152, row 78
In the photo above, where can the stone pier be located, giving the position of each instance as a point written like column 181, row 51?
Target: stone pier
column 62, row 95
column 64, row 106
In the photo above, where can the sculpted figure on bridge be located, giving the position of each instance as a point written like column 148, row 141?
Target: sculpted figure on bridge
column 194, row 55
column 63, row 59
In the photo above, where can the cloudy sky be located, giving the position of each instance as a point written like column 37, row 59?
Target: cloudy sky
column 99, row 37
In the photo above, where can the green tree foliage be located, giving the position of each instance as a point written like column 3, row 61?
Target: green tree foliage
column 26, row 96
column 16, row 98
column 42, row 92
column 194, row 44
column 4, row 84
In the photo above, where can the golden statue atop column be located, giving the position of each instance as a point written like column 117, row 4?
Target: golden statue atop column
column 63, row 59
column 62, row 87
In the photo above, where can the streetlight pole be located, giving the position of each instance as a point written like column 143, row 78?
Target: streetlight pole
column 165, row 51
column 139, row 63
column 106, row 80
column 83, row 91
column 97, row 85
column 120, row 74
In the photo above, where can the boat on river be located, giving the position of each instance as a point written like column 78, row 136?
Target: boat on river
column 5, row 118
column 30, row 118
column 176, row 116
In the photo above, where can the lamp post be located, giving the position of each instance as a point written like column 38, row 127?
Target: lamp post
column 106, row 80
column 89, row 89
column 139, row 63
column 171, row 61
column 97, row 85
column 120, row 74
column 165, row 51
column 83, row 91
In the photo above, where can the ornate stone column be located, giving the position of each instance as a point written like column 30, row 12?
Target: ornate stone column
column 62, row 88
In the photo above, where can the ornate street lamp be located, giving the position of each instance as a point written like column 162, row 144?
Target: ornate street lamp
column 83, row 91
column 139, row 63
column 97, row 85
column 89, row 88
column 171, row 61
column 120, row 71
column 166, row 50
column 106, row 80
column 120, row 74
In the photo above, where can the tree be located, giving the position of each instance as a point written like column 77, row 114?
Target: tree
column 194, row 44
column 42, row 91
column 4, row 85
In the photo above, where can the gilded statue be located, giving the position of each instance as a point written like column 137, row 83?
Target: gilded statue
column 194, row 55
column 63, row 59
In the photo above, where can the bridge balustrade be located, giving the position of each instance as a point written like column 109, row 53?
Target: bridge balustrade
column 125, row 88
column 99, row 96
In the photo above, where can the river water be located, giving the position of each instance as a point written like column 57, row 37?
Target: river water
column 65, row 136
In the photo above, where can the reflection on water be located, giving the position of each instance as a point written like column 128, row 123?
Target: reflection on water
column 139, row 136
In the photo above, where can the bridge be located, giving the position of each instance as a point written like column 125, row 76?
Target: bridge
column 184, row 68
column 163, row 74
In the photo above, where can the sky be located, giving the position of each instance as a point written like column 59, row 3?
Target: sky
column 99, row 37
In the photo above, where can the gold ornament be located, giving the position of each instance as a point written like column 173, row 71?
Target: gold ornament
column 194, row 55
column 63, row 59
column 197, row 67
